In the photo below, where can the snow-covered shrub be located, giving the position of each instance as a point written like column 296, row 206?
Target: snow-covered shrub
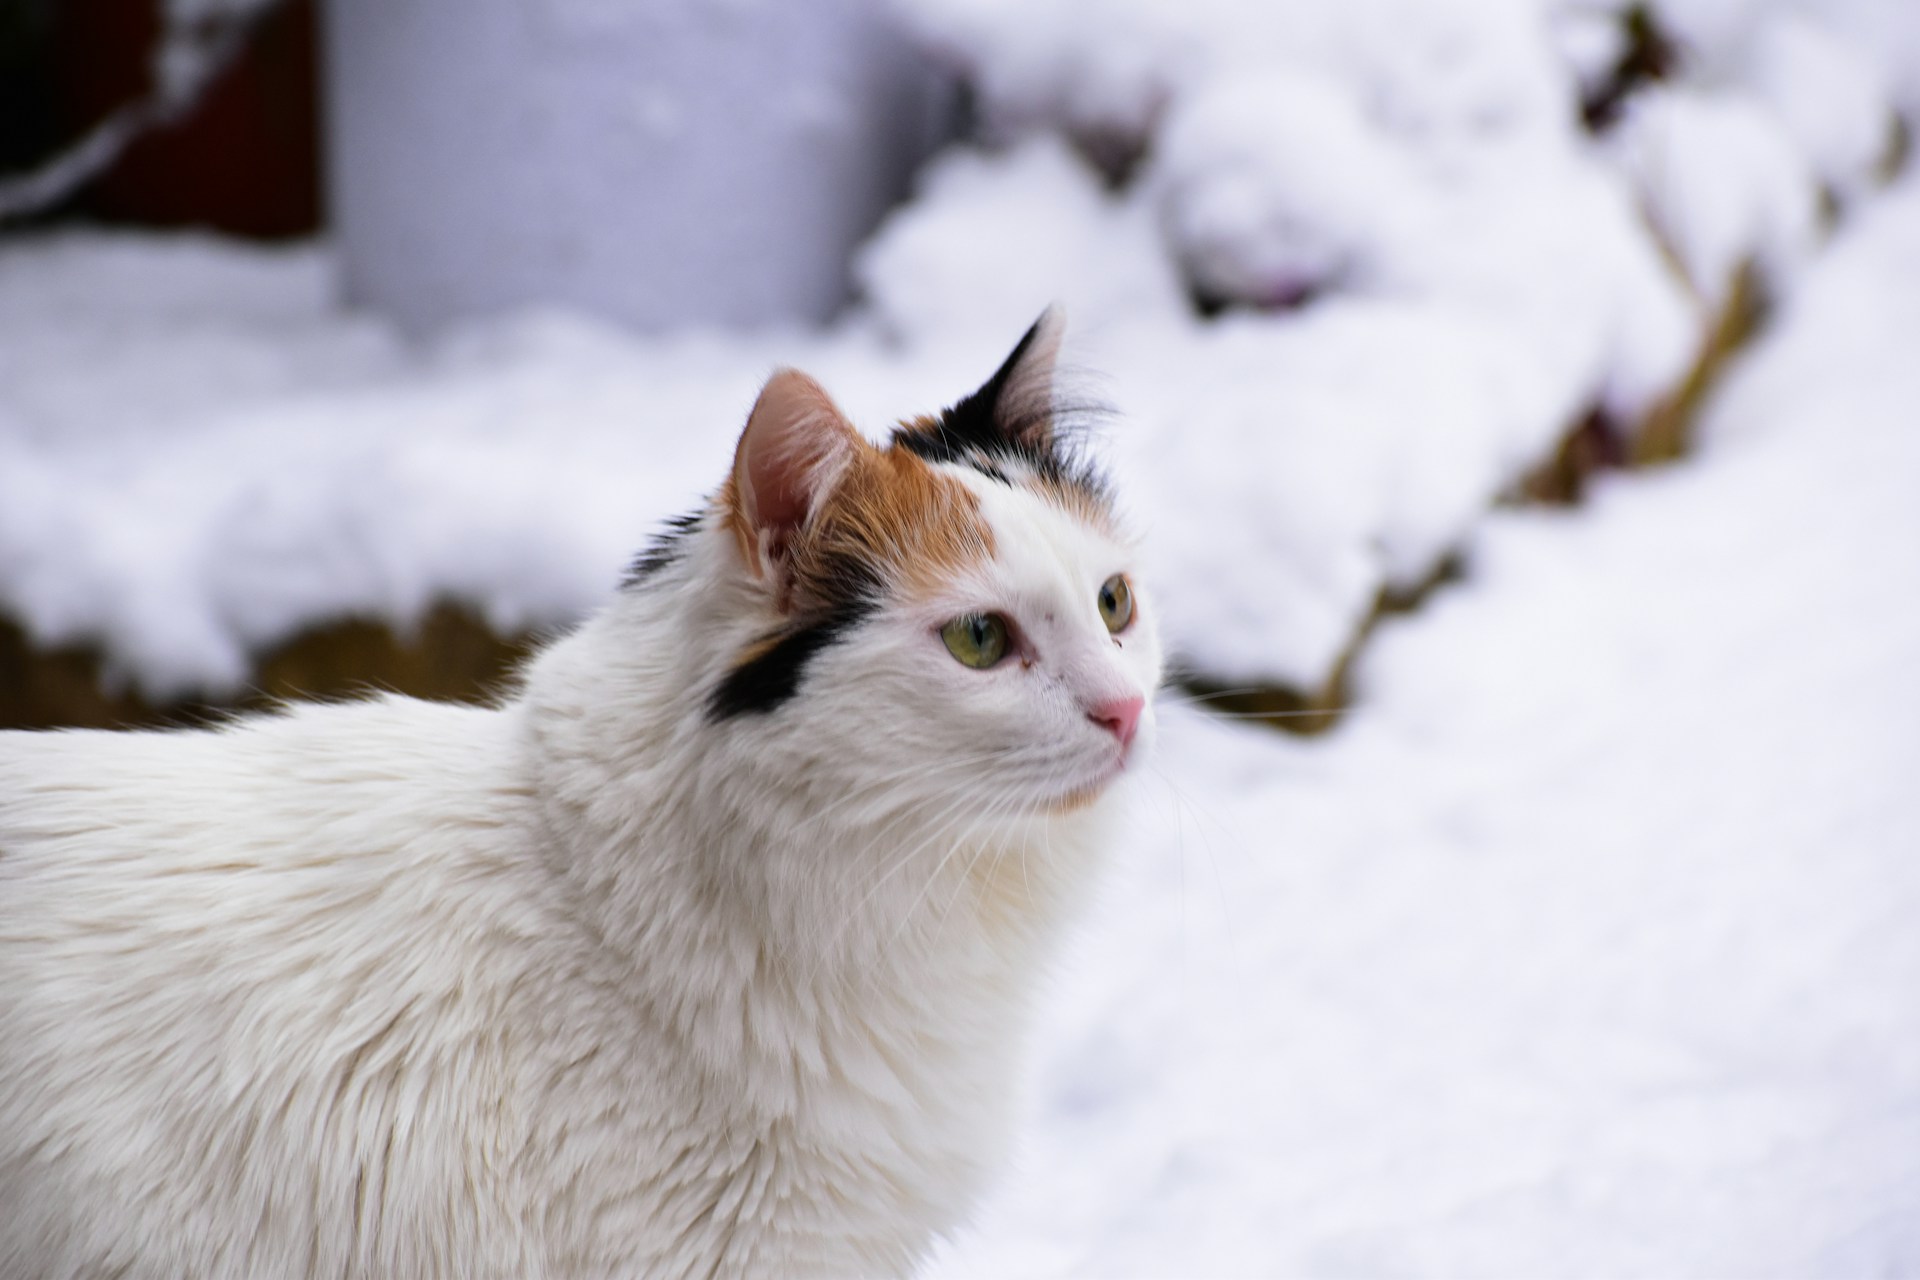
column 1351, row 268
column 1433, row 269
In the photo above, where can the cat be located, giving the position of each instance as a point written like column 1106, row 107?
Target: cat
column 706, row 952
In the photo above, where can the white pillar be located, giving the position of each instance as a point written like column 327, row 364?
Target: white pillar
column 662, row 162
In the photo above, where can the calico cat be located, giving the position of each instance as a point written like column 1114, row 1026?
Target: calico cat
column 707, row 953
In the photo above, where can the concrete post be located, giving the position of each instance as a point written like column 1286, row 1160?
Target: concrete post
column 661, row 162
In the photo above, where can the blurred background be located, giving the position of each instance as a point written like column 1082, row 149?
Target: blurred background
column 1517, row 398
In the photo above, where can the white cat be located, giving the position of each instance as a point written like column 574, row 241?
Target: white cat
column 706, row 954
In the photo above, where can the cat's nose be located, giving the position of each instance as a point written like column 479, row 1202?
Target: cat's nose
column 1119, row 716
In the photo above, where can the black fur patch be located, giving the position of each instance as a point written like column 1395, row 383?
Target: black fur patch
column 979, row 432
column 663, row 550
column 767, row 682
column 974, row 431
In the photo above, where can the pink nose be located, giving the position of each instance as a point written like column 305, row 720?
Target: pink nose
column 1120, row 716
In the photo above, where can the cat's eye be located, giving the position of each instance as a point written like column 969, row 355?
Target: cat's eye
column 1116, row 602
column 977, row 639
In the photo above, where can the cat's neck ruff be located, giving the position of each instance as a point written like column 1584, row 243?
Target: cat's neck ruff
column 843, row 883
column 846, row 964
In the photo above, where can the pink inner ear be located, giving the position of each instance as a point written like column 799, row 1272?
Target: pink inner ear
column 794, row 449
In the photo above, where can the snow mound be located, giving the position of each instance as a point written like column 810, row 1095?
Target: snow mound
column 1450, row 272
column 1587, row 945
column 200, row 454
column 1425, row 273
column 992, row 240
column 1724, row 185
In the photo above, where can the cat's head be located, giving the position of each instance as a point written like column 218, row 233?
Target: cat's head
column 952, row 621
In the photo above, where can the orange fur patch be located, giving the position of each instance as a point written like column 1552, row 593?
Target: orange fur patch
column 736, row 522
column 893, row 512
column 1076, row 502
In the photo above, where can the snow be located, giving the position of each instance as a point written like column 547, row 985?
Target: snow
column 1450, row 343
column 1437, row 275
column 1439, row 68
column 251, row 418
column 1724, row 185
column 1726, row 39
column 1586, row 945
column 1476, row 276
column 184, row 61
column 991, row 240
column 1833, row 100
column 199, row 455
column 1275, row 187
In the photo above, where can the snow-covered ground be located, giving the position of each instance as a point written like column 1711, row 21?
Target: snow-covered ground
column 1589, row 944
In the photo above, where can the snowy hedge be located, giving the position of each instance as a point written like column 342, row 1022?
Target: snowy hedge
column 1348, row 270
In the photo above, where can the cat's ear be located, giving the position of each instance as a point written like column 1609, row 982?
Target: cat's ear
column 1016, row 403
column 796, row 447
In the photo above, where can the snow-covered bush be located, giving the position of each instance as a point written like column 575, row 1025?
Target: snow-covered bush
column 1435, row 268
column 1350, row 269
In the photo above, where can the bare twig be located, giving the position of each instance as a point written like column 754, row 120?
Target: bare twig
column 198, row 42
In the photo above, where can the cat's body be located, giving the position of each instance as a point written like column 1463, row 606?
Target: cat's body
column 705, row 954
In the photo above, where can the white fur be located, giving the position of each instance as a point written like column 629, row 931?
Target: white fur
column 584, row 985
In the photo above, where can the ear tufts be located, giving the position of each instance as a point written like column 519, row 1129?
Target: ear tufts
column 796, row 447
column 1020, row 393
column 1010, row 417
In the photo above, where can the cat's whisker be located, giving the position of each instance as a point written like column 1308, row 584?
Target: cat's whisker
column 1192, row 695
column 1186, row 804
column 998, row 821
column 948, row 821
column 953, row 818
column 994, row 838
column 954, row 767
column 893, row 781
column 1026, row 884
column 960, row 771
column 1204, row 704
column 999, row 835
column 907, row 917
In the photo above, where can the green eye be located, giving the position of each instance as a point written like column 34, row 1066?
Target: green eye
column 978, row 639
column 1116, row 602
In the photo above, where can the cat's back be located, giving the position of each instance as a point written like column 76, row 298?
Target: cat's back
column 277, row 815
column 236, row 968
column 370, row 746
